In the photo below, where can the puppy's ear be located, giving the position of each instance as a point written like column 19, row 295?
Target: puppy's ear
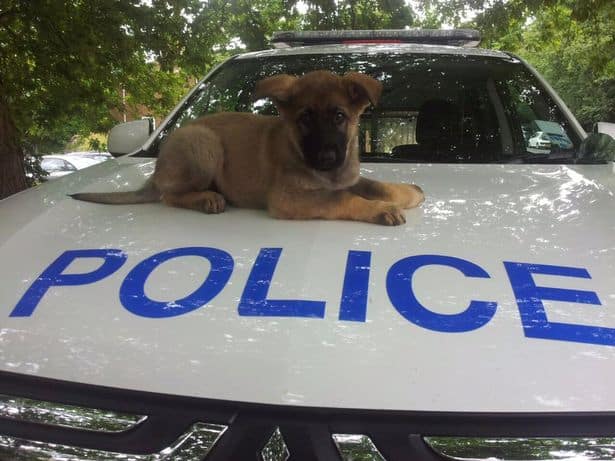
column 362, row 89
column 278, row 88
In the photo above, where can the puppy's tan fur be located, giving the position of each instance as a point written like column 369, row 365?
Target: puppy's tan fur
column 256, row 161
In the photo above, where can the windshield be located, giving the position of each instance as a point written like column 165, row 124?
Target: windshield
column 434, row 107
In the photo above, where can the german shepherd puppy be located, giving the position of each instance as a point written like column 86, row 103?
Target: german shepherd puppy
column 303, row 164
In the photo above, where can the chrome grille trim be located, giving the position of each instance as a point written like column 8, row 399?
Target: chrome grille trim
column 354, row 447
column 75, row 417
column 191, row 446
column 307, row 432
column 275, row 449
column 509, row 449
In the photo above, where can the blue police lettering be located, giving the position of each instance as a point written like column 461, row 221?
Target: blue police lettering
column 533, row 316
column 399, row 287
column 132, row 291
column 54, row 276
column 254, row 300
column 353, row 306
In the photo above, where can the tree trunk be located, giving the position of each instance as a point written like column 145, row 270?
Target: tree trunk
column 12, row 172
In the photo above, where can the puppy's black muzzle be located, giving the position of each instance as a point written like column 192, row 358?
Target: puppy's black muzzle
column 328, row 159
column 324, row 148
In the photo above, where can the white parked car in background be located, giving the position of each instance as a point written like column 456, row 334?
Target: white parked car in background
column 485, row 321
column 540, row 140
column 58, row 165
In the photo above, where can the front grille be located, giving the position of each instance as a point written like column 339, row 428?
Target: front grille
column 42, row 419
column 193, row 445
column 66, row 415
column 527, row 449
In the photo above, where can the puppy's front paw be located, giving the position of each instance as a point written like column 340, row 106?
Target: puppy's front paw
column 410, row 195
column 212, row 203
column 389, row 215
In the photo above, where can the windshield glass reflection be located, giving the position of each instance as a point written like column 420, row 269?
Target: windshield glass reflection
column 435, row 108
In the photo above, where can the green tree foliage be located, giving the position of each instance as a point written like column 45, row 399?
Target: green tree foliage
column 55, row 63
column 254, row 21
column 577, row 57
column 357, row 14
column 571, row 43
column 185, row 34
column 63, row 66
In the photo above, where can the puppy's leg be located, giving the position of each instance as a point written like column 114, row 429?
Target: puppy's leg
column 404, row 195
column 186, row 168
column 206, row 201
column 340, row 204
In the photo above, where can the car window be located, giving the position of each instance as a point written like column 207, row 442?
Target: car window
column 52, row 165
column 538, row 128
column 434, row 107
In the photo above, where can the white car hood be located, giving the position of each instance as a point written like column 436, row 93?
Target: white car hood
column 483, row 215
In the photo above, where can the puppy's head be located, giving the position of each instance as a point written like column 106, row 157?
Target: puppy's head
column 322, row 110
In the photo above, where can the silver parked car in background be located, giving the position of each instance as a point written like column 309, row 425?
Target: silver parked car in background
column 58, row 165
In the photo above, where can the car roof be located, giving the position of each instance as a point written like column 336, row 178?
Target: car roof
column 396, row 48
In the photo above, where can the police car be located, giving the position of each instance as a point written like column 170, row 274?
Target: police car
column 483, row 327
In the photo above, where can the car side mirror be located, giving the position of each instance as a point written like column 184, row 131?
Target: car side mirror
column 597, row 147
column 604, row 127
column 128, row 137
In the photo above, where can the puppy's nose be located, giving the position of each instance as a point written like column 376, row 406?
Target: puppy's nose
column 327, row 159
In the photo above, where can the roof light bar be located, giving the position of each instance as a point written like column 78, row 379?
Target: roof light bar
column 454, row 37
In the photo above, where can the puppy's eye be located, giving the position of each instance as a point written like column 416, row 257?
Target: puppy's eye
column 339, row 117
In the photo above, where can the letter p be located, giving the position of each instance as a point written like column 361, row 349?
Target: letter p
column 54, row 276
